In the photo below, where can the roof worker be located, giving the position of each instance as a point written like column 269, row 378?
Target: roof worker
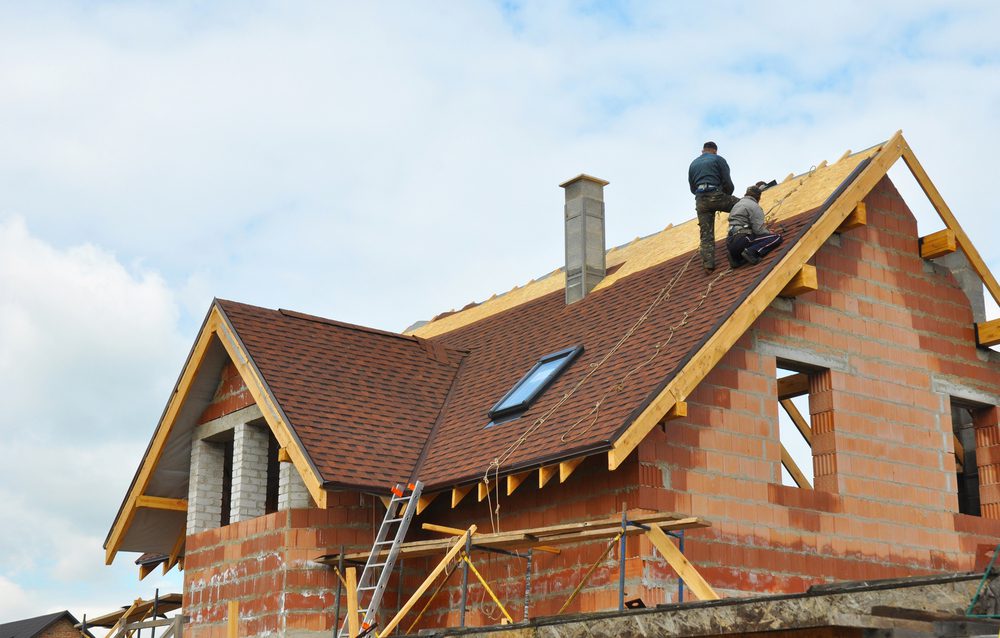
column 749, row 239
column 712, row 188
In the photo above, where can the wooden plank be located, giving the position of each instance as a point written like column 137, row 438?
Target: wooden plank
column 444, row 529
column 405, row 609
column 160, row 503
column 988, row 333
column 163, row 428
column 975, row 259
column 424, row 500
column 353, row 622
column 175, row 553
column 938, row 244
column 959, row 453
column 794, row 385
column 685, row 570
column 857, row 218
column 514, row 481
column 545, row 474
column 233, row 620
column 804, row 281
column 284, row 456
column 793, row 469
column 568, row 467
column 720, row 342
column 799, row 420
column 846, row 154
column 269, row 408
column 458, row 493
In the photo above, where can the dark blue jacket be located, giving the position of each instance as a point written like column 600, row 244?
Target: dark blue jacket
column 709, row 168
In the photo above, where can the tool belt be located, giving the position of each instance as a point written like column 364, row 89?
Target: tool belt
column 705, row 189
column 739, row 230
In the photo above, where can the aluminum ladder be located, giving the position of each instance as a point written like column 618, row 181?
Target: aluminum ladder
column 378, row 568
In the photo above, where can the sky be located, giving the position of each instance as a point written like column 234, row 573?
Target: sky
column 379, row 163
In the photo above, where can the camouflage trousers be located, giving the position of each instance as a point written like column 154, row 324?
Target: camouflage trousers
column 706, row 206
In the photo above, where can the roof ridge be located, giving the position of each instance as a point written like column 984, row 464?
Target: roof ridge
column 294, row 314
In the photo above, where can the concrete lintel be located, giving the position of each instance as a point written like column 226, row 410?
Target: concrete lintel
column 959, row 391
column 227, row 422
column 799, row 355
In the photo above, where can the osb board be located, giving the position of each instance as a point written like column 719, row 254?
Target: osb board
column 801, row 193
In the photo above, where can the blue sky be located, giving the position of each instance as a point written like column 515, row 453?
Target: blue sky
column 380, row 163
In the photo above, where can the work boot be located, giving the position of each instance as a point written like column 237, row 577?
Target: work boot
column 750, row 257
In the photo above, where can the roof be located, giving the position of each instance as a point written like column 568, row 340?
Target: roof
column 30, row 627
column 362, row 408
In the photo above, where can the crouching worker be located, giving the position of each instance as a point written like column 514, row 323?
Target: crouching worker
column 749, row 240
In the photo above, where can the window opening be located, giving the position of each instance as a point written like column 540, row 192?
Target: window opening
column 967, row 470
column 794, row 427
column 227, row 481
column 532, row 384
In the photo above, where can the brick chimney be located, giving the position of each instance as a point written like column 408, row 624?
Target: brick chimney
column 585, row 266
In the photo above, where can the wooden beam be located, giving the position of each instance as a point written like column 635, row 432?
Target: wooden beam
column 857, row 218
column 233, row 620
column 568, row 467
column 799, row 420
column 963, row 241
column 458, row 493
column 405, row 609
column 353, row 622
column 804, row 281
column 545, row 474
column 846, row 154
column 145, row 570
column 444, row 529
column 988, row 333
column 794, row 385
column 175, row 553
column 788, row 177
column 483, row 489
column 938, row 244
column 743, row 316
column 678, row 411
column 386, row 500
column 685, row 570
column 959, row 453
column 514, row 481
column 793, row 469
column 425, row 500
column 160, row 503
column 284, row 456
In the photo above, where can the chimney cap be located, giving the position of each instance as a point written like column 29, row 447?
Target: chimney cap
column 585, row 177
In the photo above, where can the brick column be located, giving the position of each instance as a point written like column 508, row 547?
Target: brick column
column 292, row 492
column 249, row 472
column 988, row 460
column 204, row 487
column 823, row 443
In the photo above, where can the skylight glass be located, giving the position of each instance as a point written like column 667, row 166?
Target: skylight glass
column 531, row 385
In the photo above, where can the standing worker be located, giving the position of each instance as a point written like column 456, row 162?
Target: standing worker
column 712, row 188
column 749, row 239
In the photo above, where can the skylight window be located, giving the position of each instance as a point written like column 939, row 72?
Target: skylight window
column 531, row 385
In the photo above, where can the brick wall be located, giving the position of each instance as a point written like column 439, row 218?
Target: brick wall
column 231, row 395
column 886, row 504
column 895, row 329
column 62, row 628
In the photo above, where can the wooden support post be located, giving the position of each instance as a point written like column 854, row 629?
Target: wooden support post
column 794, row 385
column 353, row 622
column 938, row 244
column 545, row 474
column 568, row 467
column 514, row 481
column 425, row 500
column 857, row 217
column 959, row 453
column 804, row 281
column 424, row 586
column 685, row 570
column 458, row 493
column 160, row 503
column 233, row 624
column 988, row 333
column 793, row 469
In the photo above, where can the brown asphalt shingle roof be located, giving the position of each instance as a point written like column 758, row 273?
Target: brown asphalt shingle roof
column 361, row 401
column 364, row 403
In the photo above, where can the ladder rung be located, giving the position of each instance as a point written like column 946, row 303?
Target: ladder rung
column 385, row 542
column 392, row 520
